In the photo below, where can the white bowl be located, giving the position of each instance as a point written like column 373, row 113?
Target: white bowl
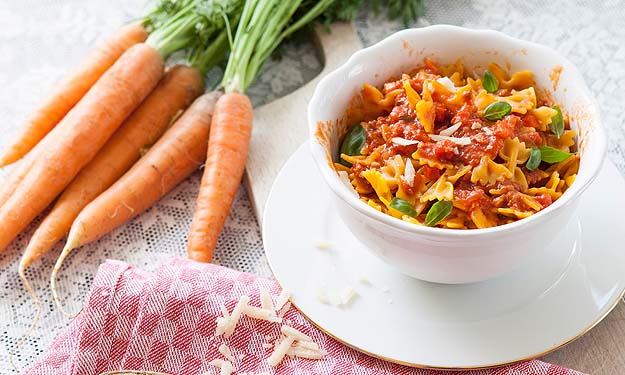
column 448, row 255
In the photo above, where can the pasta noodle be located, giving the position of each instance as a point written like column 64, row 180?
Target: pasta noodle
column 445, row 148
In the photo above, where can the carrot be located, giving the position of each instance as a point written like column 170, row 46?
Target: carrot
column 225, row 162
column 12, row 181
column 71, row 89
column 263, row 25
column 175, row 92
column 85, row 129
column 179, row 152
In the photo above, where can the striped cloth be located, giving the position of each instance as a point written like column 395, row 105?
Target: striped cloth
column 165, row 321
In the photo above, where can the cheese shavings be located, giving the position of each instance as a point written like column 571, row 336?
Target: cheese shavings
column 282, row 298
column 227, row 324
column 292, row 332
column 280, row 351
column 463, row 141
column 265, row 299
column 403, row 141
column 225, row 367
column 225, row 351
column 322, row 244
column 448, row 83
column 451, row 130
column 284, row 309
column 293, row 342
column 409, row 173
column 262, row 314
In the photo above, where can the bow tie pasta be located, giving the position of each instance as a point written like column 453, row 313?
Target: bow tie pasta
column 446, row 148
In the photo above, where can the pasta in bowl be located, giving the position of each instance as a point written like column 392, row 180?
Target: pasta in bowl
column 440, row 148
column 447, row 148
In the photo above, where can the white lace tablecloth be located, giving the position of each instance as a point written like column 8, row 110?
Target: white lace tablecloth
column 39, row 40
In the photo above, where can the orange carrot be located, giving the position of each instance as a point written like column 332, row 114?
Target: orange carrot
column 13, row 180
column 85, row 129
column 225, row 162
column 71, row 89
column 179, row 152
column 175, row 92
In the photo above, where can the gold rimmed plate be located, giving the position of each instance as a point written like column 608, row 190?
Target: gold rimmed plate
column 539, row 307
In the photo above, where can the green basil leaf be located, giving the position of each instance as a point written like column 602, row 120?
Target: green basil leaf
column 557, row 123
column 438, row 212
column 353, row 142
column 496, row 111
column 534, row 160
column 553, row 155
column 403, row 206
column 489, row 82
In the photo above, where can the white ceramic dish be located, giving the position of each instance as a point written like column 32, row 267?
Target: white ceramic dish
column 444, row 255
column 538, row 308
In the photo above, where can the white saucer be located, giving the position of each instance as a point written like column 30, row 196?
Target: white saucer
column 530, row 312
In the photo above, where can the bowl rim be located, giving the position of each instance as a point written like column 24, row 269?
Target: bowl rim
column 330, row 176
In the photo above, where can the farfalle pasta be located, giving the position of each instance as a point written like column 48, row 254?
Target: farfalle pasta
column 446, row 148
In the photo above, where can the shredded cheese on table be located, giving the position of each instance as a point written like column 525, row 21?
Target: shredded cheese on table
column 322, row 244
column 265, row 299
column 293, row 342
column 282, row 298
column 278, row 354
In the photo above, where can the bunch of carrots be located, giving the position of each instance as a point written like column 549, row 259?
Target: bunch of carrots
column 121, row 130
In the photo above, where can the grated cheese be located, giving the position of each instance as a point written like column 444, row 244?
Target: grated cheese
column 451, row 130
column 305, row 353
column 262, row 314
column 307, row 345
column 283, row 298
column 227, row 325
column 225, row 351
column 335, row 299
column 225, row 367
column 448, row 83
column 487, row 130
column 281, row 349
column 403, row 141
column 292, row 342
column 265, row 299
column 292, row 332
column 347, row 296
column 284, row 309
column 322, row 245
column 463, row 141
column 476, row 125
column 409, row 173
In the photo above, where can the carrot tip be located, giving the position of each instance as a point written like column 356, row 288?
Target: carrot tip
column 35, row 321
column 72, row 242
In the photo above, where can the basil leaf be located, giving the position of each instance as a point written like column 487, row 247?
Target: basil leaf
column 534, row 160
column 553, row 155
column 496, row 111
column 438, row 212
column 353, row 142
column 403, row 206
column 557, row 123
column 489, row 82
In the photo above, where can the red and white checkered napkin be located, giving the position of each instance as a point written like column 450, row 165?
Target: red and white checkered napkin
column 165, row 321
